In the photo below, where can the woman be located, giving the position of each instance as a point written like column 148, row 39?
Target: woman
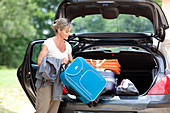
column 59, row 48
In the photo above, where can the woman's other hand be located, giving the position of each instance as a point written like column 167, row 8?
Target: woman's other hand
column 64, row 61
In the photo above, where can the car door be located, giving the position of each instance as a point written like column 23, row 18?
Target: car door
column 27, row 70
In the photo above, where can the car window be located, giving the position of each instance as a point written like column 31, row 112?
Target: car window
column 35, row 52
column 124, row 23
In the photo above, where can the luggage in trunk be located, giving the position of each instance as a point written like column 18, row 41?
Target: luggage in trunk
column 85, row 80
column 111, row 80
column 112, row 64
column 139, row 67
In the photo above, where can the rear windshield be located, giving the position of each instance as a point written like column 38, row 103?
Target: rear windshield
column 124, row 23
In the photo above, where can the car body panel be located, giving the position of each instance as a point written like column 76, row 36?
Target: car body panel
column 139, row 104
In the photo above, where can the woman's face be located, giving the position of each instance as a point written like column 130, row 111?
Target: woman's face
column 65, row 32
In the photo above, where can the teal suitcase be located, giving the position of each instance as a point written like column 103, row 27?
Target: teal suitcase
column 85, row 80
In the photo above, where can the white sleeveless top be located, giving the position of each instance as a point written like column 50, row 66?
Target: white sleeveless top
column 53, row 51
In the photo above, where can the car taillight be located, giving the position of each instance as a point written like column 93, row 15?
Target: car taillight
column 65, row 91
column 161, row 87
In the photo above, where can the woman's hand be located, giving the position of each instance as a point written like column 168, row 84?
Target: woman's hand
column 64, row 61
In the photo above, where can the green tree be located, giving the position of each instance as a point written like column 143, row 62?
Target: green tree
column 44, row 16
column 16, row 30
column 159, row 2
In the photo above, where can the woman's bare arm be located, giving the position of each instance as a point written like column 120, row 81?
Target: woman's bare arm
column 43, row 53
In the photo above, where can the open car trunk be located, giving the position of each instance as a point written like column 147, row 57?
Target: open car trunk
column 138, row 67
column 137, row 64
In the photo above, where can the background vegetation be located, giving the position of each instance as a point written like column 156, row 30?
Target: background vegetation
column 12, row 97
column 22, row 21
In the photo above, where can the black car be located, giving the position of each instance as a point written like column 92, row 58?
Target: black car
column 113, row 29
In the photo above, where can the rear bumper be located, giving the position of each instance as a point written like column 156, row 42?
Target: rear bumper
column 120, row 103
column 160, row 104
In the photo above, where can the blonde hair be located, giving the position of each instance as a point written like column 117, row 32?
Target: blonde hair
column 61, row 23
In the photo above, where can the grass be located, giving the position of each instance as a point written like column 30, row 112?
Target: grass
column 12, row 97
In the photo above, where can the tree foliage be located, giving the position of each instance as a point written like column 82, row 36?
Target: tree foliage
column 44, row 16
column 16, row 30
column 158, row 2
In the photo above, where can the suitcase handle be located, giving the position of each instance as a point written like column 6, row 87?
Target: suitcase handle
column 64, row 66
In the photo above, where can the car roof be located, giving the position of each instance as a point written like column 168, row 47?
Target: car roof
column 111, row 9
